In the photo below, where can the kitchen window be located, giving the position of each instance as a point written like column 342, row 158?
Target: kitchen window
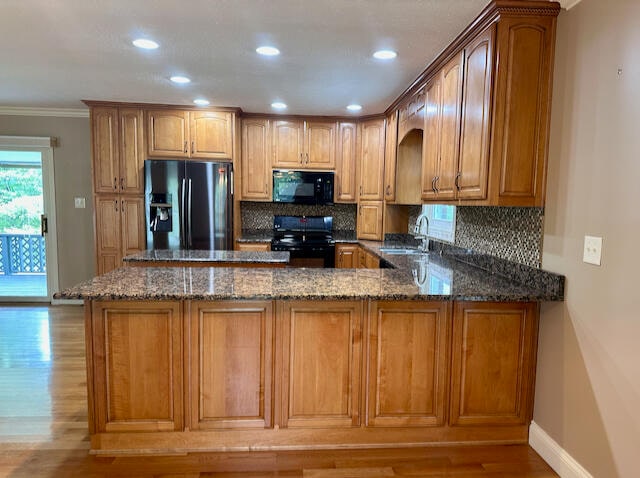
column 442, row 221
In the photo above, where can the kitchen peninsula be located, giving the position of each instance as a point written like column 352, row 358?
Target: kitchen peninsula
column 191, row 359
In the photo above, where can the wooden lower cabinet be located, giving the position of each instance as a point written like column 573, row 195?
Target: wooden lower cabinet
column 321, row 363
column 347, row 256
column 249, row 374
column 408, row 358
column 493, row 363
column 232, row 364
column 253, row 246
column 136, row 354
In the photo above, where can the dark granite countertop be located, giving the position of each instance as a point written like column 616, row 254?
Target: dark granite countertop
column 429, row 276
column 256, row 235
column 249, row 257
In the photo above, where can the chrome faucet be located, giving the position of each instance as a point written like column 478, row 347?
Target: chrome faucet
column 422, row 233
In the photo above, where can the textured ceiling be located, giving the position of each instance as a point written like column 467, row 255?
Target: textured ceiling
column 54, row 53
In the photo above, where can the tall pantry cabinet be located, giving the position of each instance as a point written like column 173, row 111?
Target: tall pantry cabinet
column 118, row 153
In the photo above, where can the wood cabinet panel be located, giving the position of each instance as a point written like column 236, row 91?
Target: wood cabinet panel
column 138, row 366
column 107, row 230
column 168, row 133
column 369, row 221
column 371, row 160
column 431, row 136
column 255, row 168
column 132, row 150
column 132, row 220
column 288, row 144
column 347, row 256
column 211, row 134
column 253, row 246
column 320, row 145
column 346, row 169
column 231, row 358
column 408, row 358
column 104, row 140
column 493, row 363
column 322, row 356
column 391, row 140
column 473, row 163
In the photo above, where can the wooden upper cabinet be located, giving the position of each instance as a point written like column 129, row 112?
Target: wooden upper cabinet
column 431, row 136
column 211, row 134
column 128, row 340
column 255, row 160
column 493, row 363
column 408, row 363
column 118, row 150
column 321, row 350
column 190, row 134
column 369, row 221
column 345, row 179
column 168, row 133
column 473, row 163
column 391, row 141
column 304, row 144
column 371, row 159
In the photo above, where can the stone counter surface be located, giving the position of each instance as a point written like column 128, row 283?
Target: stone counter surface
column 249, row 257
column 417, row 277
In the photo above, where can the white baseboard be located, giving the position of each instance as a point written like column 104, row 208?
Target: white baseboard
column 67, row 302
column 557, row 457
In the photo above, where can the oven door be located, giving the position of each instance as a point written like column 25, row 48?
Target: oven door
column 309, row 256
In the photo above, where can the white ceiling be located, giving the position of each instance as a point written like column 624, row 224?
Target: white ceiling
column 53, row 53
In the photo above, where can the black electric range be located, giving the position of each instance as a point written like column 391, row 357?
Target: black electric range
column 308, row 239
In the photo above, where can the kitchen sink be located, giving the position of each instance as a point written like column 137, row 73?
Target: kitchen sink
column 399, row 250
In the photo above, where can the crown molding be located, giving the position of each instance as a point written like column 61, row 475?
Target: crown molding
column 57, row 112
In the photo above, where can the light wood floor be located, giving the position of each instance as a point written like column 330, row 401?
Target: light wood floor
column 43, row 431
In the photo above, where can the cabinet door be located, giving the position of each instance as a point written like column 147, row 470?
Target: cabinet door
column 450, row 129
column 431, row 136
column 132, row 225
column 137, row 360
column 257, row 181
column 231, row 364
column 320, row 145
column 345, row 180
column 132, row 152
column 391, row 144
column 371, row 161
column 370, row 220
column 104, row 138
column 107, row 233
column 168, row 133
column 493, row 363
column 322, row 351
column 287, row 144
column 408, row 359
column 473, row 164
column 211, row 134
column 347, row 256
column 253, row 246
column 372, row 261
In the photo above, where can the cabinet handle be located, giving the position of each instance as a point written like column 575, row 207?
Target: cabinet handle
column 360, row 190
column 457, row 181
column 301, row 158
column 122, row 183
column 115, row 184
column 388, row 189
column 185, row 147
column 436, row 184
column 307, row 155
column 116, row 204
column 193, row 147
column 433, row 184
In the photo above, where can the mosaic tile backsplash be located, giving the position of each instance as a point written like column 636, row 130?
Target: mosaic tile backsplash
column 259, row 215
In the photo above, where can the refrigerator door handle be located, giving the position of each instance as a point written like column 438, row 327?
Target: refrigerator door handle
column 188, row 220
column 182, row 214
column 231, row 180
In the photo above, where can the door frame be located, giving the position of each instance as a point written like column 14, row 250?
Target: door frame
column 44, row 145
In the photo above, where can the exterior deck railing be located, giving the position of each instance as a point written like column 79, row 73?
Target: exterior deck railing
column 22, row 253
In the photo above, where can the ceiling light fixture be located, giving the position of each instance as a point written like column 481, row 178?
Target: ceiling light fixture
column 354, row 107
column 279, row 105
column 385, row 54
column 145, row 44
column 268, row 50
column 201, row 102
column 180, row 79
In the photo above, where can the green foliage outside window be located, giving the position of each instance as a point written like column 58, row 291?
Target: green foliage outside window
column 20, row 199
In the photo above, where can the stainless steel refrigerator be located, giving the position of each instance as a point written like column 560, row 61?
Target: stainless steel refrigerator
column 188, row 204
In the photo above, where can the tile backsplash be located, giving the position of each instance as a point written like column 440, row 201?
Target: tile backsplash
column 259, row 215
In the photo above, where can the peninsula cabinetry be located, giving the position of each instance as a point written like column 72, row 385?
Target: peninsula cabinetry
column 190, row 134
column 304, row 144
column 347, row 256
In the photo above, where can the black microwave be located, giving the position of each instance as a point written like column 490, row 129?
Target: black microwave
column 302, row 187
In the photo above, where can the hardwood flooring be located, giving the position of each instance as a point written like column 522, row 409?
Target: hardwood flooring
column 43, row 429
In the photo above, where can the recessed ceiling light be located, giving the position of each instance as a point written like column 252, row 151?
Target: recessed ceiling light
column 278, row 105
column 180, row 79
column 145, row 43
column 354, row 107
column 385, row 54
column 201, row 102
column 268, row 50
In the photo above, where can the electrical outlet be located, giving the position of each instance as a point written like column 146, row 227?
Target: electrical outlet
column 592, row 250
column 79, row 203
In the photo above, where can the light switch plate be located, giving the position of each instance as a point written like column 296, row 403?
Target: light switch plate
column 79, row 203
column 592, row 250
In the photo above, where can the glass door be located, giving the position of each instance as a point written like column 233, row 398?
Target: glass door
column 24, row 225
